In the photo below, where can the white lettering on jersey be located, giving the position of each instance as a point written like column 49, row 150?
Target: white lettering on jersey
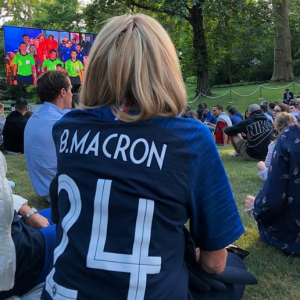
column 66, row 183
column 139, row 263
column 124, row 148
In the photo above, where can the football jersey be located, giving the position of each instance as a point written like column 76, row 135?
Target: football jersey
column 74, row 67
column 124, row 192
column 24, row 63
column 51, row 64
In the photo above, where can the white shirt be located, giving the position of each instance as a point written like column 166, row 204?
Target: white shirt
column 39, row 148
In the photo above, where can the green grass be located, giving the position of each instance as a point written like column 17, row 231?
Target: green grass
column 278, row 275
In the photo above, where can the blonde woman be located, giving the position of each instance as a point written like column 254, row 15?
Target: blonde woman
column 281, row 122
column 131, row 173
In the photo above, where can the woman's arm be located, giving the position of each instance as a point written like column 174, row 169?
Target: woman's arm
column 213, row 262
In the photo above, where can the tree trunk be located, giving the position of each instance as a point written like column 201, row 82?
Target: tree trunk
column 201, row 55
column 283, row 68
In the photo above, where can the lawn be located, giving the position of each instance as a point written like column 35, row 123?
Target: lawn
column 278, row 275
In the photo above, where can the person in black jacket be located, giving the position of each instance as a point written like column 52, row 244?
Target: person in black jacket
column 13, row 131
column 259, row 131
column 287, row 96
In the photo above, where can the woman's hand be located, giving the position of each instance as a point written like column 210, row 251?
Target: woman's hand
column 249, row 203
column 37, row 221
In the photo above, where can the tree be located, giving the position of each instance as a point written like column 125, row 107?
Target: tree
column 59, row 15
column 283, row 63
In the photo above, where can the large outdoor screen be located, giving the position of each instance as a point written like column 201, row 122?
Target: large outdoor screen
column 29, row 52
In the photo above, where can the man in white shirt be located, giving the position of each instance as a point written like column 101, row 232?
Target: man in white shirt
column 54, row 90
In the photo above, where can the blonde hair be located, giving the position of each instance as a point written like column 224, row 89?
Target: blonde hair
column 134, row 57
column 281, row 122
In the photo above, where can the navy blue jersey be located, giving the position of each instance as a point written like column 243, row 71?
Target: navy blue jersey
column 125, row 191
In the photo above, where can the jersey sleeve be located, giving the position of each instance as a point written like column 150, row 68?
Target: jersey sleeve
column 214, row 220
column 81, row 65
column 45, row 63
column 15, row 60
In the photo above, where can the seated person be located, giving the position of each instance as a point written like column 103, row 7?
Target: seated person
column 281, row 122
column 232, row 115
column 264, row 108
column 279, row 108
column 268, row 110
column 287, row 96
column 276, row 208
column 54, row 91
column 223, row 122
column 142, row 253
column 26, row 239
column 237, row 113
column 13, row 131
column 258, row 130
column 201, row 109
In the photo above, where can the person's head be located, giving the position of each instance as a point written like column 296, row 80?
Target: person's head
column 292, row 108
column 189, row 114
column 28, row 114
column 282, row 121
column 228, row 107
column 204, row 114
column 279, row 108
column 217, row 109
column 51, row 37
column 64, row 40
column 134, row 57
column 36, row 43
column 1, row 108
column 23, row 47
column 31, row 49
column 31, row 41
column 42, row 37
column 264, row 108
column 16, row 51
column 287, row 90
column 25, row 38
column 73, row 55
column 74, row 40
column 69, row 44
column 254, row 109
column 53, row 54
column 55, row 87
column 247, row 114
column 231, row 110
column 204, row 104
column 201, row 107
column 272, row 105
column 78, row 47
column 11, row 55
column 59, row 67
column 21, row 105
